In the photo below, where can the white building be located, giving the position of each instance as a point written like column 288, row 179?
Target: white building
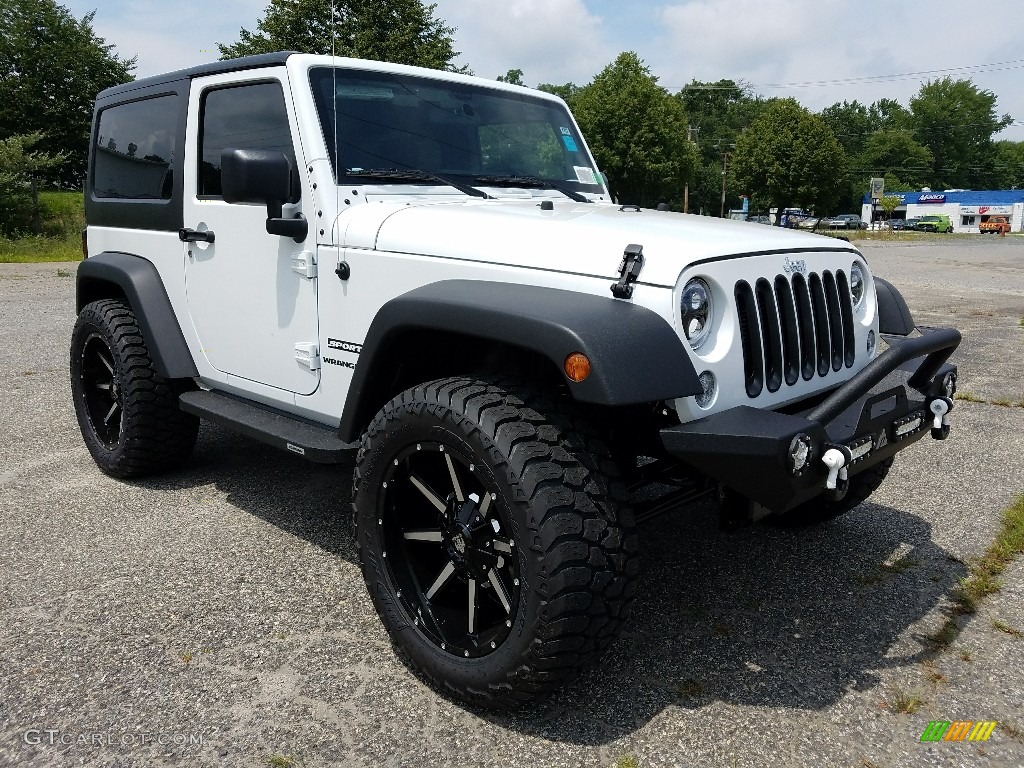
column 966, row 208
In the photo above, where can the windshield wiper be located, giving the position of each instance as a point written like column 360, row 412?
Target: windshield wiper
column 532, row 181
column 411, row 174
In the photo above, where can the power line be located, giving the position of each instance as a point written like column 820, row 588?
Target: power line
column 998, row 66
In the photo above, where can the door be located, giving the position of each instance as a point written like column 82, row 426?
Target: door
column 252, row 296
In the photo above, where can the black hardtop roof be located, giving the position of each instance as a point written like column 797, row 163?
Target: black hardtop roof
column 213, row 68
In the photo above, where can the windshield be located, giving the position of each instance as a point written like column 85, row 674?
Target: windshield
column 377, row 121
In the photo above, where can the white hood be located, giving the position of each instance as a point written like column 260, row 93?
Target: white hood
column 578, row 238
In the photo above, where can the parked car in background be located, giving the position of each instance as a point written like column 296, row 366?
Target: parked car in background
column 936, row 222
column 759, row 220
column 996, row 225
column 807, row 222
column 902, row 224
column 845, row 221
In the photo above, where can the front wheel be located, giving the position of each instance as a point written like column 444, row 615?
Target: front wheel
column 490, row 541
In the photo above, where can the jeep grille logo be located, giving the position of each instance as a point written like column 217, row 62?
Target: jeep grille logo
column 790, row 266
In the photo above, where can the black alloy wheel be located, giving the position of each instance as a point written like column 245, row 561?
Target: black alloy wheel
column 449, row 549
column 101, row 393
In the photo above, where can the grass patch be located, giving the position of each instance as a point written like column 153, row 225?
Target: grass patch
column 905, row 702
column 966, row 655
column 627, row 761
column 969, row 397
column 62, row 218
column 1002, row 626
column 278, row 760
column 932, row 673
column 1003, row 402
column 983, row 574
column 187, row 657
column 945, row 634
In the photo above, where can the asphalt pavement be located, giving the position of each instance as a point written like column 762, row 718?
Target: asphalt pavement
column 216, row 616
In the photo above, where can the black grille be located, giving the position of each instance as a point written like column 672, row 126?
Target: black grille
column 793, row 328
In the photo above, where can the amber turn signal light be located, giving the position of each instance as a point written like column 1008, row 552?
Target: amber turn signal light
column 577, row 366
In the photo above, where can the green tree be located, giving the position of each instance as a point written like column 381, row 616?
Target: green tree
column 896, row 152
column 637, row 132
column 716, row 113
column 1009, row 166
column 565, row 92
column 399, row 31
column 52, row 65
column 889, row 115
column 956, row 121
column 852, row 124
column 789, row 156
column 512, row 77
column 20, row 169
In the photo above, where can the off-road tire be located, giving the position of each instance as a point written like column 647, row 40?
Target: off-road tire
column 823, row 509
column 555, row 486
column 154, row 434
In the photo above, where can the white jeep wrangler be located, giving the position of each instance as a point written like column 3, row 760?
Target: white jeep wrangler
column 424, row 274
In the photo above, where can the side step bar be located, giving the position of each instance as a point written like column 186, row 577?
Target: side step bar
column 317, row 443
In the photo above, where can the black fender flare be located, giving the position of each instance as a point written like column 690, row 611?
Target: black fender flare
column 636, row 356
column 893, row 313
column 139, row 280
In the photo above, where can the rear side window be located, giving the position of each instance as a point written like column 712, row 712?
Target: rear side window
column 134, row 151
column 240, row 117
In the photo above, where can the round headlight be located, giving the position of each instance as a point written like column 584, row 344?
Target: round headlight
column 697, row 312
column 857, row 283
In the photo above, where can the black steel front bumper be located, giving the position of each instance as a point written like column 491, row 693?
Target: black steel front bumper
column 880, row 411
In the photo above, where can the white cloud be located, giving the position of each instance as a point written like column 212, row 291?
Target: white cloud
column 550, row 40
column 800, row 41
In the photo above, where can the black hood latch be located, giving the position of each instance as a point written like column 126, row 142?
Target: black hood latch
column 629, row 271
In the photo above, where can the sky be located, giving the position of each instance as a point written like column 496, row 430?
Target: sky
column 817, row 51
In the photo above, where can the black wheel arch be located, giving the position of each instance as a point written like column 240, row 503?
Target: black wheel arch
column 893, row 313
column 136, row 280
column 636, row 357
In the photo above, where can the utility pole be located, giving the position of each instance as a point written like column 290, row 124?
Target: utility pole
column 725, row 168
column 691, row 132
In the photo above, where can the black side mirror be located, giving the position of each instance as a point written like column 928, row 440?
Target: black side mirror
column 262, row 176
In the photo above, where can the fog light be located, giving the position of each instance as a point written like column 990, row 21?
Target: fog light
column 709, row 385
column 871, row 343
column 577, row 367
column 799, row 453
column 908, row 425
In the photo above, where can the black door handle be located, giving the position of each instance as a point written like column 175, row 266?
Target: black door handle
column 194, row 236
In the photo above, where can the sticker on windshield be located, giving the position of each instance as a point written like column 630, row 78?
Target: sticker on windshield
column 565, row 131
column 570, row 143
column 584, row 174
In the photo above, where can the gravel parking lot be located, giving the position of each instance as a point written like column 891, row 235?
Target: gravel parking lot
column 217, row 616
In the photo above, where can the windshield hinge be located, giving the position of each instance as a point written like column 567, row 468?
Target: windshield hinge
column 629, row 271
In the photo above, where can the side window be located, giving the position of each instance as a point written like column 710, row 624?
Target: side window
column 134, row 150
column 240, row 117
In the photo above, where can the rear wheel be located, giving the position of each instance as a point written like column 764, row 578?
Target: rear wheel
column 822, row 509
column 490, row 541
column 128, row 413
